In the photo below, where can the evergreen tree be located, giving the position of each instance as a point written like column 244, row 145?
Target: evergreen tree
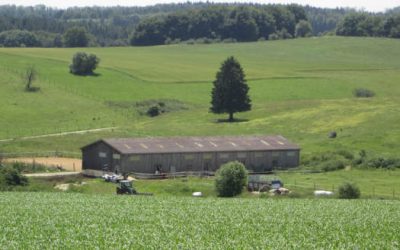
column 230, row 92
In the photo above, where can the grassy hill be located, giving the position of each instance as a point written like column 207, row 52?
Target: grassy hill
column 300, row 88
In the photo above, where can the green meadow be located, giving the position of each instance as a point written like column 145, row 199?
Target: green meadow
column 300, row 88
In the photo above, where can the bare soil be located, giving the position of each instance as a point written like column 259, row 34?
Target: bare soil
column 69, row 164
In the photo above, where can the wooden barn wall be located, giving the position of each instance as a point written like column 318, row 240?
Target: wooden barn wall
column 91, row 158
column 255, row 161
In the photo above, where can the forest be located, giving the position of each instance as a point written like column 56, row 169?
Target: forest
column 40, row 26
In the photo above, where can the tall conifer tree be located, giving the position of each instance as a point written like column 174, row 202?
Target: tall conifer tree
column 230, row 92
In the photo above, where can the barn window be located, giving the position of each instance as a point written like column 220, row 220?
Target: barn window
column 290, row 154
column 134, row 158
column 116, row 156
column 224, row 156
column 275, row 154
column 259, row 154
column 241, row 155
column 207, row 156
column 102, row 154
column 189, row 157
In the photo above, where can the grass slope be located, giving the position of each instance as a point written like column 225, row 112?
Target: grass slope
column 300, row 88
column 76, row 221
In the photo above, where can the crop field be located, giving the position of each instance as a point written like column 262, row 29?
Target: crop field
column 76, row 221
column 300, row 88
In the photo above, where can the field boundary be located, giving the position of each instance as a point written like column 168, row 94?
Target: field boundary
column 59, row 134
column 59, row 154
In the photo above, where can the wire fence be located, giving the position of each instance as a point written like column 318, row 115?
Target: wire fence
column 373, row 192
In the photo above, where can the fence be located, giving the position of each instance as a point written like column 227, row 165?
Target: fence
column 372, row 192
column 65, row 154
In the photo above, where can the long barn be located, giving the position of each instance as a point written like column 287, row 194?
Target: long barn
column 188, row 154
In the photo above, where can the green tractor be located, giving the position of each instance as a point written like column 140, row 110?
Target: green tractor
column 125, row 187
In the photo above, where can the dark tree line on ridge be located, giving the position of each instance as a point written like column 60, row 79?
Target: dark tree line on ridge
column 240, row 23
column 40, row 26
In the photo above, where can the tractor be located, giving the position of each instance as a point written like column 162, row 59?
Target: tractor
column 125, row 187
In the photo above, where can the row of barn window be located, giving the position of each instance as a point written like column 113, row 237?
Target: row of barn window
column 206, row 156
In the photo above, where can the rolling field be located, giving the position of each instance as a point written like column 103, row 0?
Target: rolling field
column 76, row 221
column 300, row 88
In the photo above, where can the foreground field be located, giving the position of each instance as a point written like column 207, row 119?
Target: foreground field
column 76, row 221
column 300, row 88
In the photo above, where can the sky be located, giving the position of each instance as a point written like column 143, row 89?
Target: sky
column 369, row 5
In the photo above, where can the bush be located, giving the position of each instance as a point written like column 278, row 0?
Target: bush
column 387, row 163
column 153, row 111
column 230, row 179
column 83, row 64
column 333, row 165
column 18, row 38
column 273, row 36
column 10, row 177
column 349, row 191
column 363, row 93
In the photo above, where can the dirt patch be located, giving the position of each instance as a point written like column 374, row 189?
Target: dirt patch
column 69, row 164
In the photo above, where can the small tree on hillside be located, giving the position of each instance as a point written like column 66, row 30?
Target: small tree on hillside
column 29, row 77
column 230, row 92
column 83, row 64
column 230, row 179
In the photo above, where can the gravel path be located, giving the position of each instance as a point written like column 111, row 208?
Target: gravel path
column 59, row 134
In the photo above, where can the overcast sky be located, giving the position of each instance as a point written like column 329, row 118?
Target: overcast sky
column 370, row 5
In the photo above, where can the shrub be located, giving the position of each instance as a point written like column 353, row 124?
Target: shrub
column 230, row 179
column 273, row 36
column 349, row 191
column 10, row 177
column 346, row 154
column 381, row 162
column 360, row 92
column 153, row 111
column 333, row 165
column 83, row 64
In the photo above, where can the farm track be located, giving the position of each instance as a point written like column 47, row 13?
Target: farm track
column 40, row 175
column 59, row 134
column 69, row 164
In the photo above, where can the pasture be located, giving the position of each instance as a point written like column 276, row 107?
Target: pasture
column 299, row 88
column 70, row 221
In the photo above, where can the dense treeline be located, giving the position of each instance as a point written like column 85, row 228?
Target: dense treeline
column 325, row 20
column 114, row 26
column 240, row 22
column 365, row 24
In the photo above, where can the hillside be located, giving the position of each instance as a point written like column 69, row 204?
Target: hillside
column 300, row 88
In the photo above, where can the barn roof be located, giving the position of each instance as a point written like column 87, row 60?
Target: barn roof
column 198, row 144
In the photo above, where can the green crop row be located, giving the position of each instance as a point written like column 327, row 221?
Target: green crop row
column 77, row 221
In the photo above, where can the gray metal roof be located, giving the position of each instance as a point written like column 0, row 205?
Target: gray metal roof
column 199, row 144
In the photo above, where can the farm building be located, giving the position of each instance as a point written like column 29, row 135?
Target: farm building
column 188, row 154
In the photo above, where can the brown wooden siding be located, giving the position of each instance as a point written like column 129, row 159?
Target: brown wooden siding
column 255, row 161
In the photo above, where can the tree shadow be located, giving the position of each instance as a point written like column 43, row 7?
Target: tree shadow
column 235, row 120
column 88, row 74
